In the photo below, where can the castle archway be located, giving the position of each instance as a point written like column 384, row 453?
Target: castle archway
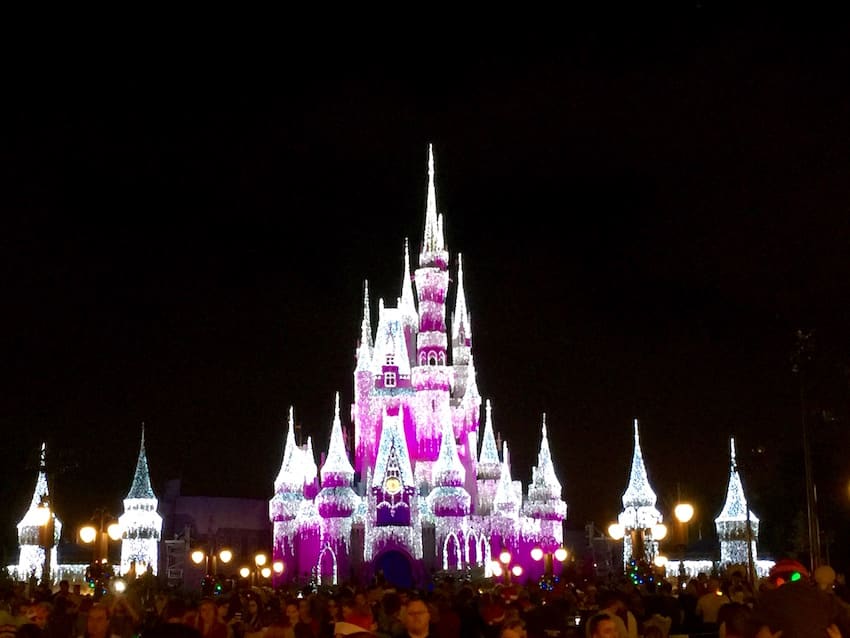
column 396, row 568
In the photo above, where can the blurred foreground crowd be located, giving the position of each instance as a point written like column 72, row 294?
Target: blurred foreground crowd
column 705, row 607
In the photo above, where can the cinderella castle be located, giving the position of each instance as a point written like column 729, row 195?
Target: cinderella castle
column 416, row 493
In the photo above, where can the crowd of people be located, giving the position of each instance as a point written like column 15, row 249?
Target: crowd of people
column 704, row 607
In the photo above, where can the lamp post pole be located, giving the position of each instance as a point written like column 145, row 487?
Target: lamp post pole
column 46, row 532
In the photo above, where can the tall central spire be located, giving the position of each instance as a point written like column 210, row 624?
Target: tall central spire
column 141, row 487
column 433, row 238
column 735, row 507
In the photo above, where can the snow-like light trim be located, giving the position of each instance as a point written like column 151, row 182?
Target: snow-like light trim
column 639, row 493
column 390, row 345
column 407, row 303
column 489, row 465
column 433, row 239
column 31, row 557
column 337, row 460
column 392, row 438
column 141, row 486
column 448, row 471
column 290, row 478
column 505, row 501
column 735, row 506
column 545, row 481
column 461, row 327
column 731, row 523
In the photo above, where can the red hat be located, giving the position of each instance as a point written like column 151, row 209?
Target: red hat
column 493, row 613
column 787, row 567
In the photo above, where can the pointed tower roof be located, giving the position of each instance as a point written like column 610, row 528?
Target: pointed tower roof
column 460, row 321
column 389, row 340
column 41, row 489
column 407, row 303
column 735, row 507
column 337, row 461
column 472, row 394
column 31, row 520
column 545, row 471
column 433, row 238
column 489, row 465
column 448, row 471
column 290, row 477
column 639, row 493
column 308, row 462
column 505, row 499
column 141, row 487
column 364, row 348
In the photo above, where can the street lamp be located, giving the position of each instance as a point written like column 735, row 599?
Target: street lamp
column 503, row 567
column 549, row 558
column 45, row 521
column 639, row 536
column 261, row 569
column 210, row 558
column 102, row 528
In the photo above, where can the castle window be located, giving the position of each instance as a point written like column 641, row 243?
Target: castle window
column 422, row 358
column 442, row 358
column 389, row 379
column 390, row 359
column 432, row 358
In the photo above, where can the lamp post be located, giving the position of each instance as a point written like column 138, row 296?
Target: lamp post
column 503, row 567
column 210, row 558
column 102, row 528
column 261, row 569
column 45, row 522
column 639, row 536
column 549, row 558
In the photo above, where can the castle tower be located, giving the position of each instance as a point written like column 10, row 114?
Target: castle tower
column 335, row 503
column 639, row 513
column 141, row 524
column 432, row 375
column 731, row 523
column 450, row 502
column 544, row 493
column 506, row 507
column 489, row 466
column 33, row 526
column 365, row 424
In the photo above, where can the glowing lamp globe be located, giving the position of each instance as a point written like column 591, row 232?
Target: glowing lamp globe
column 496, row 568
column 225, row 556
column 505, row 557
column 88, row 534
column 561, row 554
column 244, row 572
column 114, row 531
column 265, row 572
column 684, row 512
column 260, row 560
column 119, row 585
column 659, row 531
column 660, row 561
column 616, row 531
column 516, row 570
column 197, row 557
column 537, row 553
column 42, row 515
column 278, row 567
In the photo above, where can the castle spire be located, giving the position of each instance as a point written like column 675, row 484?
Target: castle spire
column 141, row 487
column 433, row 238
column 489, row 466
column 735, row 507
column 337, row 461
column 289, row 477
column 407, row 303
column 639, row 493
column 545, row 468
column 364, row 348
column 505, row 500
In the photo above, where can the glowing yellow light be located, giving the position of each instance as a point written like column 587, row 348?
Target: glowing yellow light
column 516, row 570
column 244, row 572
column 260, row 560
column 266, row 572
column 88, row 534
column 659, row 531
column 114, row 531
column 119, row 585
column 505, row 557
column 197, row 557
column 616, row 531
column 278, row 567
column 496, row 568
column 42, row 515
column 225, row 556
column 536, row 553
column 561, row 554
column 660, row 561
column 684, row 512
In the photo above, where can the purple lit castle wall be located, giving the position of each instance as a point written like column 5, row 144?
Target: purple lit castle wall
column 415, row 493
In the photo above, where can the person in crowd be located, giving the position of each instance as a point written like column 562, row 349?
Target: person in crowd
column 417, row 619
column 602, row 626
column 709, row 604
column 207, row 622
column 97, row 622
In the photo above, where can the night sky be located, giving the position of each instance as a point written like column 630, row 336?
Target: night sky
column 646, row 220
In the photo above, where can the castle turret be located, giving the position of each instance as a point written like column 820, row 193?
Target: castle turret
column 407, row 304
column 141, row 524
column 336, row 498
column 449, row 497
column 544, row 491
column 461, row 334
column 489, row 465
column 365, row 423
column 639, row 514
column 34, row 525
column 732, row 522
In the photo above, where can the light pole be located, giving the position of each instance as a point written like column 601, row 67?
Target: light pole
column 503, row 567
column 261, row 569
column 210, row 557
column 639, row 536
column 46, row 531
column 549, row 558
column 102, row 527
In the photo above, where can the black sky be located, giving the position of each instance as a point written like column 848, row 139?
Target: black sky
column 645, row 223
